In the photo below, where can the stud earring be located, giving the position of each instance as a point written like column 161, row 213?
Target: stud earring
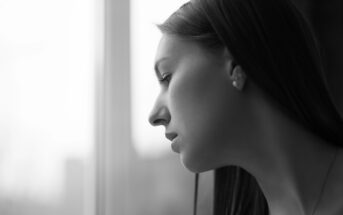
column 238, row 78
column 234, row 83
column 238, row 85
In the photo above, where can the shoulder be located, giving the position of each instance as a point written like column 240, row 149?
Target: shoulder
column 332, row 199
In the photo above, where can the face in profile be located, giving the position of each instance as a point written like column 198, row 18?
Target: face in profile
column 196, row 103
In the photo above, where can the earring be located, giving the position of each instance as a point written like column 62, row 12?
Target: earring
column 237, row 85
column 234, row 83
column 238, row 78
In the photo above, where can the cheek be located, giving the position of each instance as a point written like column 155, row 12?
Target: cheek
column 201, row 103
column 201, row 112
column 187, row 100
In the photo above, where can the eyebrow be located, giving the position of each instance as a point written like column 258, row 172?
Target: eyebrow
column 157, row 65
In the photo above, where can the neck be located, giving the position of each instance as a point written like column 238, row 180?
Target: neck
column 292, row 164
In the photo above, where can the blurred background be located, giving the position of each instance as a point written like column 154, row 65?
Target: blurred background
column 76, row 88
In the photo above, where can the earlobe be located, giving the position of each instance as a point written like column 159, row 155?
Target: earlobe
column 235, row 71
column 238, row 77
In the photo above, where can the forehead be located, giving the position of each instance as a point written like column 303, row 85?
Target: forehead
column 176, row 48
column 170, row 46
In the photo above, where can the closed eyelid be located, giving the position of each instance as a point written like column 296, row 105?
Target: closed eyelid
column 157, row 67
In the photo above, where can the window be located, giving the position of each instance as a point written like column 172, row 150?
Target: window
column 47, row 105
column 73, row 117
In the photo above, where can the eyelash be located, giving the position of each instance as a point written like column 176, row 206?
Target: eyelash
column 166, row 78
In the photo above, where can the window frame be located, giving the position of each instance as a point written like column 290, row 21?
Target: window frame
column 114, row 151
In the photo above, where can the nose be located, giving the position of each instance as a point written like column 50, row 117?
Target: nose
column 159, row 116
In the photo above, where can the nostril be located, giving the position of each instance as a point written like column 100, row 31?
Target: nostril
column 159, row 116
column 159, row 122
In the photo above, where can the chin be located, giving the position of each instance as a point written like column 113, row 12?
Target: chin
column 195, row 166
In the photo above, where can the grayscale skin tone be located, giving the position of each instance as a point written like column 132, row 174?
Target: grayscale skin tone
column 213, row 124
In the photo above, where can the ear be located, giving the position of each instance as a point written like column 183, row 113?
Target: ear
column 235, row 71
column 238, row 77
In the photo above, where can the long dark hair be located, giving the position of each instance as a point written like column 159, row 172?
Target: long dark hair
column 275, row 46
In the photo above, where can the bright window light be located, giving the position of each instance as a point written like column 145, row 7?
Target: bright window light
column 46, row 105
column 148, row 141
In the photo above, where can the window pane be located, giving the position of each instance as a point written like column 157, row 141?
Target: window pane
column 46, row 91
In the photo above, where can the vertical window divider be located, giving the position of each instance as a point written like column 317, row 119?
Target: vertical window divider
column 114, row 150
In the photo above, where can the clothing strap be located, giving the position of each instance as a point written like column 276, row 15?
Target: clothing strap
column 195, row 205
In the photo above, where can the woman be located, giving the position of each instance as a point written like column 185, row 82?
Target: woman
column 243, row 92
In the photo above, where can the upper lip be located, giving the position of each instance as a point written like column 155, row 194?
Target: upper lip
column 170, row 136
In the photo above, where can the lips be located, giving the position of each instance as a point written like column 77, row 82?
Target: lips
column 170, row 136
column 174, row 145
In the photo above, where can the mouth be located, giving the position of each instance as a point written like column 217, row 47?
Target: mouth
column 174, row 145
column 171, row 136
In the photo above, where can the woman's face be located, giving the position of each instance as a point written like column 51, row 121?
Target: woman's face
column 196, row 102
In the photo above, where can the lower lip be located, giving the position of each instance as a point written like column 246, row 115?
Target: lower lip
column 175, row 146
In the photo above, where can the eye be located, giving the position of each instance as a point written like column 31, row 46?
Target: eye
column 165, row 78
